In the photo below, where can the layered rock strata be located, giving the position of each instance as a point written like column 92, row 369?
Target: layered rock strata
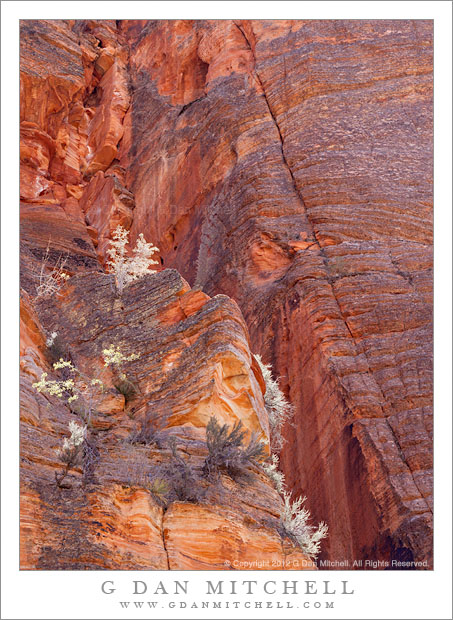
column 194, row 363
column 288, row 165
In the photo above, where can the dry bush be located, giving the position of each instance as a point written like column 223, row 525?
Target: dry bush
column 227, row 451
column 183, row 481
column 90, row 458
column 149, row 431
column 294, row 524
column 50, row 278
column 70, row 454
column 278, row 408
column 175, row 479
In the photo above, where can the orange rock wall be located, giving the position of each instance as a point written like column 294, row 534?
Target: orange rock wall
column 287, row 165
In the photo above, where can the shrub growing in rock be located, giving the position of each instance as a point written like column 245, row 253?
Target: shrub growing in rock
column 51, row 278
column 126, row 268
column 176, row 480
column 278, row 408
column 294, row 524
column 82, row 392
column 114, row 357
column 227, row 451
column 293, row 521
column 274, row 474
column 82, row 395
column 71, row 452
column 149, row 431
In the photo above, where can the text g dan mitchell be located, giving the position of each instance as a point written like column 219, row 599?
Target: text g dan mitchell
column 227, row 588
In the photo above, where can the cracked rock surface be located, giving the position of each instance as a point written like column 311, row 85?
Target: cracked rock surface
column 284, row 169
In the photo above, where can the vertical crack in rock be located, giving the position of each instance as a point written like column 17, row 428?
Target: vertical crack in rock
column 325, row 259
column 260, row 82
column 376, row 462
column 164, row 543
column 299, row 193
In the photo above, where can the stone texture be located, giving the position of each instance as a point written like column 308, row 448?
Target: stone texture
column 194, row 362
column 220, row 540
column 300, row 184
column 287, row 165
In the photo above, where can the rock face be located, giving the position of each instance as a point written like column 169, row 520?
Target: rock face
column 194, row 363
column 288, row 166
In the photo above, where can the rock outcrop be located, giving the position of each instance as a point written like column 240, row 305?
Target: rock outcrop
column 194, row 362
column 288, row 166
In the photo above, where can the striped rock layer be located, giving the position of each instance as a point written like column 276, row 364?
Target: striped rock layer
column 284, row 169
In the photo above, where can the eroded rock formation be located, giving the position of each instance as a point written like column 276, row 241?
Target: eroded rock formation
column 288, row 166
column 194, row 362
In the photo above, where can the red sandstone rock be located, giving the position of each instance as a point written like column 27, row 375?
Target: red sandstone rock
column 106, row 204
column 296, row 184
column 188, row 370
column 286, row 164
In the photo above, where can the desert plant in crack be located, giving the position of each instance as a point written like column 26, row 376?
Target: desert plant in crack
column 176, row 480
column 278, row 408
column 126, row 268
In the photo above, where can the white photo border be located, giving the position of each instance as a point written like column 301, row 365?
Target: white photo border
column 77, row 594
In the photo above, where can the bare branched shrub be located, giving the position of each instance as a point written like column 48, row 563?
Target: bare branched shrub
column 294, row 524
column 176, row 480
column 294, row 519
column 136, row 475
column 126, row 268
column 71, row 452
column 149, row 431
column 227, row 451
column 278, row 408
column 90, row 458
column 51, row 279
column 274, row 474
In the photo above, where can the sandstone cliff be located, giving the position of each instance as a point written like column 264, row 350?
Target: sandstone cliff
column 284, row 169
